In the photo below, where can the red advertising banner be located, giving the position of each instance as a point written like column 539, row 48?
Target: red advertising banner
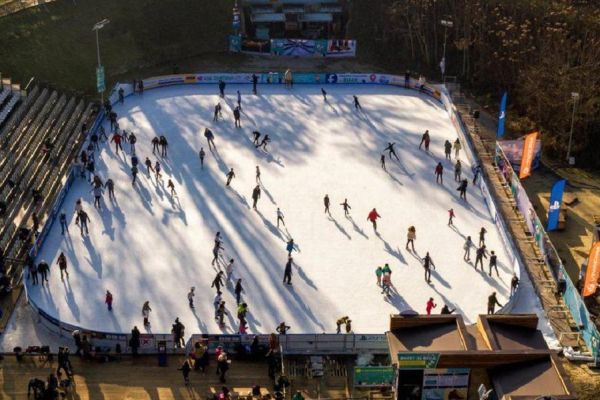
column 593, row 271
column 528, row 155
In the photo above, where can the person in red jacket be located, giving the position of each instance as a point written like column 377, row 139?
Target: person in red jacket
column 430, row 306
column 373, row 218
column 451, row 216
column 117, row 140
column 439, row 170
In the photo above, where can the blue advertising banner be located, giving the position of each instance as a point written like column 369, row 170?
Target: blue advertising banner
column 555, row 203
column 502, row 116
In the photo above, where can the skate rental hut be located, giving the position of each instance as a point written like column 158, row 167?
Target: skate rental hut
column 439, row 357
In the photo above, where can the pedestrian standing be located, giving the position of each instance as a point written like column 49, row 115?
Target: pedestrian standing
column 287, row 274
column 190, row 296
column 171, row 186
column 357, row 105
column 257, row 174
column 430, row 306
column 109, row 300
column 280, row 217
column 457, row 146
column 255, row 196
column 467, row 247
column 411, row 236
column 222, row 366
column 63, row 223
column 238, row 290
column 230, row 175
column 202, row 154
column 439, row 171
column 346, row 207
column 479, row 256
column 62, row 265
column 373, row 215
column 326, row 203
column 146, row 313
column 378, row 274
column 427, row 265
column 185, row 370
column 451, row 216
column 282, row 328
column 462, row 189
column 457, row 171
column 494, row 263
column 448, row 149
column 492, row 302
column 482, row 233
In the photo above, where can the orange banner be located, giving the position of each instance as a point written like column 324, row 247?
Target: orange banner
column 593, row 271
column 528, row 154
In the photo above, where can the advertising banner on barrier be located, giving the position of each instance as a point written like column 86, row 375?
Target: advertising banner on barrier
column 513, row 150
column 528, row 155
column 341, row 48
column 298, row 47
column 592, row 273
column 555, row 204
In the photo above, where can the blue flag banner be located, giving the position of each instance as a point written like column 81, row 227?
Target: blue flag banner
column 555, row 203
column 502, row 116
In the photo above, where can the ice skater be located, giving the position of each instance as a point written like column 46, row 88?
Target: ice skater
column 448, row 149
column 190, row 296
column 84, row 219
column 254, row 83
column 493, row 263
column 378, row 275
column 255, row 196
column 210, row 138
column 230, row 175
column 357, row 105
column 132, row 141
column 217, row 301
column 256, row 137
column 257, row 174
column 439, row 173
column 324, row 93
column 382, row 161
column 492, row 302
column 238, row 290
column 110, row 185
column 279, row 218
column 290, row 247
column 457, row 147
column 457, row 171
column 236, row 117
column 239, row 100
column 476, row 173
column 157, row 171
column 451, row 216
column 202, row 154
column 218, row 281
column 63, row 223
column 287, row 273
column 411, row 236
column 108, row 300
column 171, row 186
column 373, row 215
column 514, row 283
column 62, row 265
column 482, row 233
column 229, row 270
column 148, row 164
column 146, row 313
column 430, row 306
column 391, row 151
column 467, row 248
column 346, row 207
column 427, row 265
column 155, row 142
column 479, row 256
column 217, row 112
column 216, row 250
column 326, row 203
column 345, row 320
column 116, row 139
column 265, row 141
column 164, row 144
column 425, row 139
column 221, row 88
column 462, row 189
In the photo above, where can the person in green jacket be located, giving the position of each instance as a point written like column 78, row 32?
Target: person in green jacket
column 387, row 269
column 378, row 273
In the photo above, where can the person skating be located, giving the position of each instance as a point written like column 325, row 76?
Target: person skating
column 451, row 216
column 425, row 139
column 148, row 164
column 386, row 283
column 108, row 300
column 448, row 149
column 282, row 328
column 221, row 88
column 457, row 171
column 132, row 141
column 457, row 147
column 482, row 233
column 230, row 175
column 164, row 144
column 439, row 173
column 43, row 268
column 220, row 314
column 514, row 283
column 97, row 195
column 326, row 203
column 157, row 169
column 236, row 117
column 494, row 263
column 373, row 215
column 63, row 223
column 342, row 321
column 178, row 331
column 476, row 173
column 479, row 256
column 357, row 105
column 217, row 302
column 210, row 138
column 391, row 151
column 467, row 247
column 33, row 273
column 411, row 236
column 218, row 281
column 217, row 112
column 229, row 270
column 121, row 95
column 492, row 302
column 257, row 174
column 190, row 296
column 171, row 186
column 430, row 306
column 255, row 196
column 346, row 207
column 427, row 265
column 256, row 137
column 287, row 274
column 280, row 217
column 62, row 265
column 84, row 219
column 242, row 310
column 254, row 83
column 462, row 189
column 110, row 185
column 216, row 249
column 102, row 137
column 290, row 247
column 116, row 139
column 146, row 313
column 239, row 100
column 265, row 141
column 324, row 93
column 288, row 79
column 155, row 143
column 379, row 274
column 202, row 154
column 134, row 172
column 238, row 290
column 140, row 87
column 382, row 161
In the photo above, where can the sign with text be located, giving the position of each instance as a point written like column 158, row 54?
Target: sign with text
column 100, row 85
column 373, row 376
column 411, row 360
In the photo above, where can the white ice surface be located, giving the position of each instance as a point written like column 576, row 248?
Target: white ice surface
column 149, row 246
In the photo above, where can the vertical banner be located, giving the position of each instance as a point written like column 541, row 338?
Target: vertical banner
column 528, row 155
column 593, row 271
column 501, row 117
column 555, row 203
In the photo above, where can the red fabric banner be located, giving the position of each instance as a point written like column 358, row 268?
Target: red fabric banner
column 593, row 271
column 528, row 154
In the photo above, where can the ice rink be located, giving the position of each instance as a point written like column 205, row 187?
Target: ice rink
column 148, row 245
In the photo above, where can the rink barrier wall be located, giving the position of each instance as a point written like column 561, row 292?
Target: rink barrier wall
column 295, row 343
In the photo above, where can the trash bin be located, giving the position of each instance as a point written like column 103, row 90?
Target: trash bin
column 162, row 353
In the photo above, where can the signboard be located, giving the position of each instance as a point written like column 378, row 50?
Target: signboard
column 373, row 376
column 410, row 360
column 100, row 86
column 445, row 384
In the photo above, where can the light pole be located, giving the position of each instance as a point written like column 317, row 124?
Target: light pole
column 99, row 69
column 575, row 97
column 446, row 24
